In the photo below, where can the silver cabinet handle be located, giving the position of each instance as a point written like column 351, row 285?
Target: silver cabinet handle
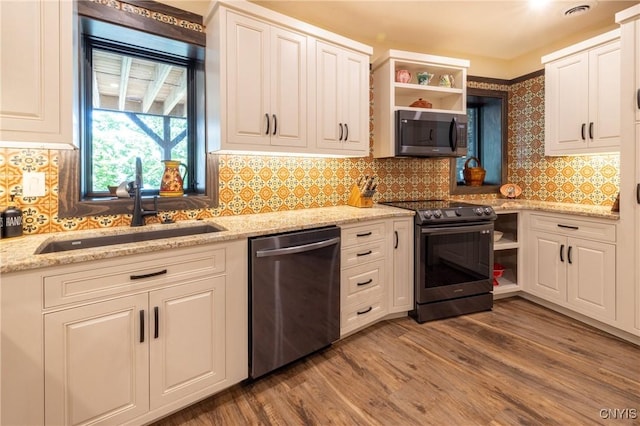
column 298, row 249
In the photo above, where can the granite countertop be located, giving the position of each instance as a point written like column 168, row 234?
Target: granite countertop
column 18, row 254
column 601, row 212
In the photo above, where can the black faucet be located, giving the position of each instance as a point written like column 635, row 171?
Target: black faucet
column 138, row 211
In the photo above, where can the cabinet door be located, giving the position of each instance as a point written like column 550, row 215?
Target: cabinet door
column 96, row 366
column 288, row 88
column 329, row 108
column 36, row 77
column 604, row 96
column 248, row 81
column 636, row 60
column 591, row 280
column 547, row 272
column 402, row 282
column 566, row 104
column 355, row 101
column 187, row 339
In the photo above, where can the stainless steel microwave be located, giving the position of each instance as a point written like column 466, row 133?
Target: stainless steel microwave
column 430, row 134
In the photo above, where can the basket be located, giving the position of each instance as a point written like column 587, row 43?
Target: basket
column 473, row 176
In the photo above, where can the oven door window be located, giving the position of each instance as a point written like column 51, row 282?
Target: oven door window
column 456, row 255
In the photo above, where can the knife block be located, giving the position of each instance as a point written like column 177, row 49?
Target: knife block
column 356, row 199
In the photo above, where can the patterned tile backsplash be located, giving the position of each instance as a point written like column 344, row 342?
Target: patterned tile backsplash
column 251, row 184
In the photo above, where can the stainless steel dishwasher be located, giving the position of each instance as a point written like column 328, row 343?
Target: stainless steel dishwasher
column 294, row 303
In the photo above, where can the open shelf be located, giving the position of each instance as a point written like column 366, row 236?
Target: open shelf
column 508, row 252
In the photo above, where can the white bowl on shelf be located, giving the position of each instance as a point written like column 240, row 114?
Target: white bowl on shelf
column 497, row 235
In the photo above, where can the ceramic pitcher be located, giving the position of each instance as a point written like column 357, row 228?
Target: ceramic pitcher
column 403, row 76
column 172, row 181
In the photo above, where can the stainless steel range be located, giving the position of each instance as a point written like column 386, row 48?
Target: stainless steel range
column 453, row 258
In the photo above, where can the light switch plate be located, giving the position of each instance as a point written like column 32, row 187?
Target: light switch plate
column 33, row 184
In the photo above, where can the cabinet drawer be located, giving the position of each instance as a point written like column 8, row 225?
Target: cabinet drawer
column 353, row 235
column 364, row 253
column 574, row 227
column 362, row 313
column 135, row 273
column 363, row 279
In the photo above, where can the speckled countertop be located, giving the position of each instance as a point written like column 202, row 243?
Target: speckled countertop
column 602, row 212
column 18, row 254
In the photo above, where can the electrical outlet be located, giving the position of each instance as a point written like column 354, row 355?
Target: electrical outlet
column 33, row 184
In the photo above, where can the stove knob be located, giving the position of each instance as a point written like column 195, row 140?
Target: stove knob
column 478, row 211
column 427, row 214
column 458, row 212
column 437, row 214
column 488, row 210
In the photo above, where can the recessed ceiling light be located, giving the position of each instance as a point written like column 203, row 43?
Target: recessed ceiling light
column 580, row 8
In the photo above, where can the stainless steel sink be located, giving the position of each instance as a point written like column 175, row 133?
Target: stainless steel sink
column 109, row 240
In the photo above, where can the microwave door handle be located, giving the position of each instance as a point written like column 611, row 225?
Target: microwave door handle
column 453, row 130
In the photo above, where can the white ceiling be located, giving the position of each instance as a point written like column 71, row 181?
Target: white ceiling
column 503, row 39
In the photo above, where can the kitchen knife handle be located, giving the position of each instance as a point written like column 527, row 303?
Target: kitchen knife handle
column 569, row 255
column 584, row 125
column 346, row 132
column 591, row 130
column 268, row 124
column 275, row 124
column 561, row 252
column 341, row 131
column 142, row 326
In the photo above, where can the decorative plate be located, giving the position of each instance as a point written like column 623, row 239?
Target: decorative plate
column 510, row 190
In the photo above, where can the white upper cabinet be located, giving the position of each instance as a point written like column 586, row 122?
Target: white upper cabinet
column 37, row 74
column 342, row 99
column 264, row 79
column 266, row 85
column 582, row 97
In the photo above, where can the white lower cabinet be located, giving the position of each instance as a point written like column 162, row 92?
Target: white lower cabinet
column 126, row 340
column 96, row 369
column 402, row 245
column 376, row 271
column 573, row 264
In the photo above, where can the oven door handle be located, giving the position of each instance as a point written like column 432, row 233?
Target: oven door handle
column 488, row 227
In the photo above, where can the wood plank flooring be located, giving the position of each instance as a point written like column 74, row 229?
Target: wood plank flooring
column 518, row 364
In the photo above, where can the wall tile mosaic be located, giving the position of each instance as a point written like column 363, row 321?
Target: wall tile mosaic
column 583, row 180
column 251, row 184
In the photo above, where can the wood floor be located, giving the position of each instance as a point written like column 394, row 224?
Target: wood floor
column 518, row 364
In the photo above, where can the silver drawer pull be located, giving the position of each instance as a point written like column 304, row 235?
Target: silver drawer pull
column 152, row 274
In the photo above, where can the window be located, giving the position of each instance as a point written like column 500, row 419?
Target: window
column 487, row 141
column 141, row 95
column 137, row 106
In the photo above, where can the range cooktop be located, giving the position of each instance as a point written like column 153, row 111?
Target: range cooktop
column 432, row 212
